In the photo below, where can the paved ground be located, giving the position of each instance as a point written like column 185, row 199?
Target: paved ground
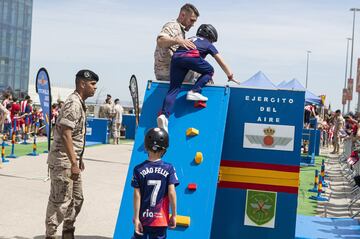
column 338, row 191
column 24, row 194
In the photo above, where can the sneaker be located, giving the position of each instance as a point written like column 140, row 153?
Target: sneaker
column 162, row 122
column 195, row 96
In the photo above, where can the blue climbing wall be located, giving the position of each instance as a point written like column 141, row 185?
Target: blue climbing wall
column 210, row 121
column 259, row 173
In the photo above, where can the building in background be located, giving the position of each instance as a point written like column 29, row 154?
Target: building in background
column 15, row 41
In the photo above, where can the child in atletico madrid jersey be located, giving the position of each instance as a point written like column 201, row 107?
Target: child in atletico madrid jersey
column 154, row 183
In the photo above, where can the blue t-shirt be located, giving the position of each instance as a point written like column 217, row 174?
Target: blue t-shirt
column 203, row 48
column 153, row 179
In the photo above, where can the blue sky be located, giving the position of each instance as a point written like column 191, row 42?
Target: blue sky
column 117, row 38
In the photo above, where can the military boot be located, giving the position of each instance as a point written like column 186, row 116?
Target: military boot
column 68, row 234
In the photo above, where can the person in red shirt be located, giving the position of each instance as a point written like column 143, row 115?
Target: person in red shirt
column 25, row 111
column 14, row 113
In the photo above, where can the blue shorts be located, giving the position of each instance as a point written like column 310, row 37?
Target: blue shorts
column 7, row 128
column 152, row 233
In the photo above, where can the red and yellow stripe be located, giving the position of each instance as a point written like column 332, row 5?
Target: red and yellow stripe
column 259, row 176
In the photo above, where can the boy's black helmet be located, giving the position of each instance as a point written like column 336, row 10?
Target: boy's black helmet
column 207, row 31
column 156, row 139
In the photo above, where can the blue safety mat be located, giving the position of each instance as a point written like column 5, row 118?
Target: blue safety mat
column 308, row 227
column 210, row 121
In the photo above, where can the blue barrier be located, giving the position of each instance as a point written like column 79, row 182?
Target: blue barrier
column 313, row 123
column 97, row 130
column 317, row 144
column 129, row 122
column 313, row 138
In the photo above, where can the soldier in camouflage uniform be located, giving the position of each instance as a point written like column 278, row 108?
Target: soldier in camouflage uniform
column 171, row 37
column 65, row 158
column 339, row 124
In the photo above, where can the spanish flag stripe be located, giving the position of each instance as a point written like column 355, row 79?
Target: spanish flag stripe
column 272, row 188
column 259, row 180
column 258, row 173
column 255, row 165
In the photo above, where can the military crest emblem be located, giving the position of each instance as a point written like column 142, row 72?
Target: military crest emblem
column 87, row 74
column 262, row 136
column 268, row 139
column 260, row 208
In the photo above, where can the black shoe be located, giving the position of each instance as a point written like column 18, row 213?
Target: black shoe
column 68, row 234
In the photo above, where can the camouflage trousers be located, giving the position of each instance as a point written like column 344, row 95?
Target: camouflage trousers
column 65, row 200
column 191, row 77
column 116, row 130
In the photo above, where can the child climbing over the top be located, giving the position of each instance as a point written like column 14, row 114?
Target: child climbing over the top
column 184, row 60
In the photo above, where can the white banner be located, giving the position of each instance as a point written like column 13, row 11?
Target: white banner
column 269, row 136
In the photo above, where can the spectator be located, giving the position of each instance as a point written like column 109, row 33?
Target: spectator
column 60, row 104
column 54, row 116
column 338, row 126
column 7, row 99
column 117, row 121
column 106, row 109
column 25, row 111
column 15, row 112
column 5, row 119
column 309, row 111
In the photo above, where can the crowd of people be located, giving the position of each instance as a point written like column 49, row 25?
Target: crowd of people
column 334, row 127
column 21, row 117
column 25, row 119
column 177, row 59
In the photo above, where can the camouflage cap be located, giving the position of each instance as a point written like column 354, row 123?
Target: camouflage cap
column 87, row 75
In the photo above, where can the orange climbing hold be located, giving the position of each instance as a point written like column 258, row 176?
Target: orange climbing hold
column 200, row 104
column 192, row 132
column 198, row 157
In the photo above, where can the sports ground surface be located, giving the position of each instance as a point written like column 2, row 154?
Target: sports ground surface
column 24, row 193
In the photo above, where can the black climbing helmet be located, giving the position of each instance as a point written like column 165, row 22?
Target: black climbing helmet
column 207, row 31
column 156, row 139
